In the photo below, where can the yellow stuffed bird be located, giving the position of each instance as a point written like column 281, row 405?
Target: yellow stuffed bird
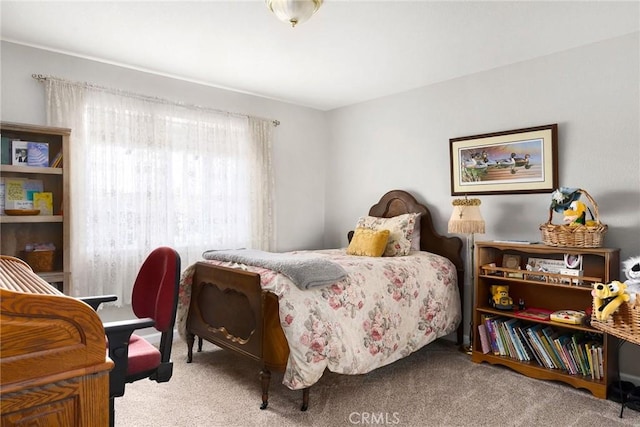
column 575, row 214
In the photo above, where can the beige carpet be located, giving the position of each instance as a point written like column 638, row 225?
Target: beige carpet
column 436, row 386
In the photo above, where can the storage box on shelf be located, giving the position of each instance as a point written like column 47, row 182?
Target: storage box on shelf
column 18, row 231
column 551, row 292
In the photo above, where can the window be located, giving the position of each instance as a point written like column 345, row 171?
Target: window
column 148, row 173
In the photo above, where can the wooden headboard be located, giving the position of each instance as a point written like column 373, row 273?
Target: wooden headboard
column 399, row 202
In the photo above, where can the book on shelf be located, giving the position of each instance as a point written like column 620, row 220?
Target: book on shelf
column 595, row 361
column 491, row 334
column 37, row 154
column 559, row 341
column 19, row 153
column 579, row 349
column 503, row 344
column 534, row 339
column 5, row 150
column 533, row 353
column 1, row 195
column 492, row 325
column 573, row 353
column 484, row 338
column 44, row 202
column 550, row 334
column 570, row 351
column 600, row 361
column 56, row 162
column 546, row 347
column 518, row 348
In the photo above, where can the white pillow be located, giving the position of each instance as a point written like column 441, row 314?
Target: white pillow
column 400, row 228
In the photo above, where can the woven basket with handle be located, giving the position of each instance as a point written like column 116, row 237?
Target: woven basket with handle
column 575, row 236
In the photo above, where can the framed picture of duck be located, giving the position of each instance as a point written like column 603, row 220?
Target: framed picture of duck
column 511, row 162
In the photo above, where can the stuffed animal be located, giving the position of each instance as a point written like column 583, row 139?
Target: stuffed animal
column 631, row 269
column 607, row 298
column 575, row 214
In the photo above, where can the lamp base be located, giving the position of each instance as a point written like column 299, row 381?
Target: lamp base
column 466, row 349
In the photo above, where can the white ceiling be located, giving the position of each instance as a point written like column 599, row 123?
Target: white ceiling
column 350, row 51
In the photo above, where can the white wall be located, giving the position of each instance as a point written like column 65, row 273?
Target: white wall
column 402, row 141
column 300, row 137
column 331, row 167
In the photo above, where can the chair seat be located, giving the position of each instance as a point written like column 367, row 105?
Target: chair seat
column 143, row 356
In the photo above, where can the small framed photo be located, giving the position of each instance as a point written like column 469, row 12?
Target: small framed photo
column 19, row 152
column 511, row 261
column 573, row 261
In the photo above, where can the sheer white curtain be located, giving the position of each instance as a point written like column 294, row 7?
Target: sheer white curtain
column 146, row 172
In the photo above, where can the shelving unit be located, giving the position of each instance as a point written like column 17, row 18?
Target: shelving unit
column 17, row 231
column 549, row 291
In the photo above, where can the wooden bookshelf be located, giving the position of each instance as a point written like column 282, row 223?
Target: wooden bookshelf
column 17, row 231
column 544, row 290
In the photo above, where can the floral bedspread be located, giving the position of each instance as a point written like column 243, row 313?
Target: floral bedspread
column 387, row 308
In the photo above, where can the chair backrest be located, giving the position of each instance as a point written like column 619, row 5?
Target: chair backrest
column 155, row 292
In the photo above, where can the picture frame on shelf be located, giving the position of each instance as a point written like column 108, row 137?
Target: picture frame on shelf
column 573, row 261
column 19, row 150
column 509, row 162
column 511, row 261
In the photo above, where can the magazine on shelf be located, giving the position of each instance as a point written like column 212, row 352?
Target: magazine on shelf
column 534, row 313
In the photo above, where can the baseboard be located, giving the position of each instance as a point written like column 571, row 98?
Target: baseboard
column 152, row 336
column 631, row 378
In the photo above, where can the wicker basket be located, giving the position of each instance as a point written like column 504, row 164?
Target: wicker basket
column 40, row 261
column 624, row 323
column 575, row 236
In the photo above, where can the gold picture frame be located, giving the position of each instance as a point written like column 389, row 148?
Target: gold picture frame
column 511, row 261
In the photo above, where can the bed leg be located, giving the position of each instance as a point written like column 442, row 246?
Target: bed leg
column 265, row 378
column 305, row 399
column 190, row 340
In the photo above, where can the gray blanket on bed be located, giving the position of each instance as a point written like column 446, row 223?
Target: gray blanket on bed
column 306, row 271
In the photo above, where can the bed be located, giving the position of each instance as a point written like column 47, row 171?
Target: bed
column 258, row 313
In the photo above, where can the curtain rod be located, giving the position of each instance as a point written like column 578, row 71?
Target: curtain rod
column 42, row 78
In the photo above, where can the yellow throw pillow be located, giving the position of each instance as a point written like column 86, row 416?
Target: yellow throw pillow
column 367, row 242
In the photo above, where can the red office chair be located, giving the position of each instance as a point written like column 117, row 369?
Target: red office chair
column 154, row 301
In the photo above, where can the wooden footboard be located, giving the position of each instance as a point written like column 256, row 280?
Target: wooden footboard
column 229, row 309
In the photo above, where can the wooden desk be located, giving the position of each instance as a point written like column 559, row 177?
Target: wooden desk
column 53, row 365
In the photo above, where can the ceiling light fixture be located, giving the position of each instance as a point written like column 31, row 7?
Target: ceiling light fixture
column 293, row 11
